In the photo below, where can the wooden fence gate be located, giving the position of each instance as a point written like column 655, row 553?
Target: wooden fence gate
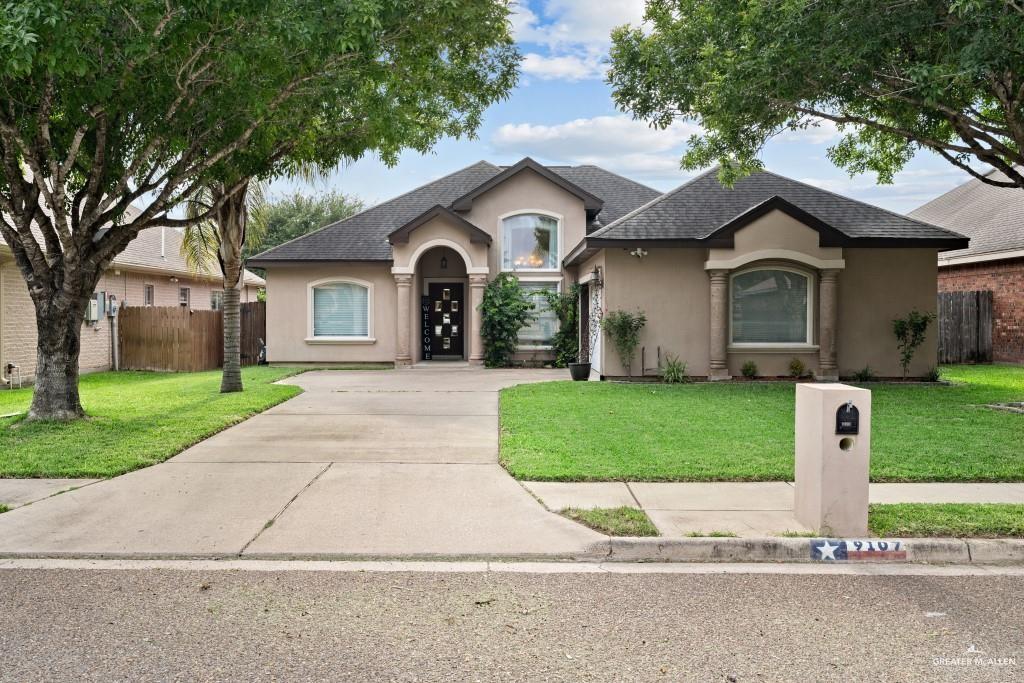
column 177, row 339
column 965, row 327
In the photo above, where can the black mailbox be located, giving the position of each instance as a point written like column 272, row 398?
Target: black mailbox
column 848, row 419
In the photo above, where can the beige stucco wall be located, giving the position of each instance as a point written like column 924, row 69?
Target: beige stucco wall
column 672, row 289
column 522, row 193
column 18, row 324
column 878, row 286
column 288, row 311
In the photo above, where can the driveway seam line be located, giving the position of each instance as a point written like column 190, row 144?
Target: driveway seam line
column 635, row 499
column 283, row 509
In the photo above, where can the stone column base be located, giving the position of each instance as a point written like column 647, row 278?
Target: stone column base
column 476, row 362
column 719, row 374
column 828, row 376
column 403, row 362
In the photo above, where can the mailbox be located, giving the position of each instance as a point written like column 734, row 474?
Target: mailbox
column 847, row 419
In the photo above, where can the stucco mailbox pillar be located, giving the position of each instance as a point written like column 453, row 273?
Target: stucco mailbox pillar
column 833, row 452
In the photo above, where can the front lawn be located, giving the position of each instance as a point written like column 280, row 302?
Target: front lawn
column 589, row 431
column 135, row 419
column 962, row 520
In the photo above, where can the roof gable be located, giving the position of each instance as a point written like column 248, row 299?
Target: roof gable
column 401, row 235
column 827, row 235
column 591, row 203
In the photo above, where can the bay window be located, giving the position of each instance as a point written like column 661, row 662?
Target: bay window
column 771, row 306
column 530, row 242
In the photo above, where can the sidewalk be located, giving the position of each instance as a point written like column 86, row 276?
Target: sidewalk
column 747, row 509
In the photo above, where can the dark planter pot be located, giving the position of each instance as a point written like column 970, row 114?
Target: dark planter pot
column 580, row 371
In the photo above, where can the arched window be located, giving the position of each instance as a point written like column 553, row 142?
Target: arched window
column 529, row 242
column 340, row 309
column 771, row 306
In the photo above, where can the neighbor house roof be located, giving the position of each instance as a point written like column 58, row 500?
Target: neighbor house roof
column 159, row 250
column 993, row 217
column 703, row 212
column 364, row 236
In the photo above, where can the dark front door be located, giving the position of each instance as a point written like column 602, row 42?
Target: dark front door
column 447, row 313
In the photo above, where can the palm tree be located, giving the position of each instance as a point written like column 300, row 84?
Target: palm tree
column 241, row 220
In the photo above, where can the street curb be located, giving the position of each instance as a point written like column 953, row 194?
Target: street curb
column 918, row 550
column 631, row 550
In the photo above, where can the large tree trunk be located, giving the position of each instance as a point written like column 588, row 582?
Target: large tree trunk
column 232, row 220
column 59, row 329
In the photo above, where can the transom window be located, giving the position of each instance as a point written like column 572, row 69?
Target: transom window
column 771, row 306
column 540, row 333
column 530, row 242
column 341, row 309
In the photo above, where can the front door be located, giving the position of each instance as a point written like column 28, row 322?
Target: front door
column 446, row 301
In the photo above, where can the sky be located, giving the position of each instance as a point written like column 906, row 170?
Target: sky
column 562, row 112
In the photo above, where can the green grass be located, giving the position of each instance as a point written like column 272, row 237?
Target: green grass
column 589, row 431
column 135, row 419
column 710, row 534
column 622, row 521
column 4, row 508
column 954, row 519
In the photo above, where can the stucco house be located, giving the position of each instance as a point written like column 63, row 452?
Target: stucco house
column 993, row 217
column 149, row 272
column 769, row 270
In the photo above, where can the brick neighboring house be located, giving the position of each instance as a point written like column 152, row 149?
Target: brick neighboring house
column 993, row 217
column 149, row 272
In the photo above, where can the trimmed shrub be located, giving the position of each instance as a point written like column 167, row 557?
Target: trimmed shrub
column 910, row 333
column 749, row 369
column 797, row 368
column 506, row 309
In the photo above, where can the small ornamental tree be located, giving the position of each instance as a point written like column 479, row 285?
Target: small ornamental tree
column 505, row 310
column 566, row 342
column 624, row 329
column 910, row 334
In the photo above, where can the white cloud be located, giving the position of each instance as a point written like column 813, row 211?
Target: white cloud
column 909, row 190
column 564, row 67
column 574, row 22
column 574, row 33
column 618, row 143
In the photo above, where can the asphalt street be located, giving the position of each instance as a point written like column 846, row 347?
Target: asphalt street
column 168, row 624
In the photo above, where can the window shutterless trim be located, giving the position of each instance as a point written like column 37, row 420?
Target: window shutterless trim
column 312, row 338
column 767, row 346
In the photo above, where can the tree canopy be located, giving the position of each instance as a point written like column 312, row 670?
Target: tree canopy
column 106, row 104
column 297, row 214
column 895, row 75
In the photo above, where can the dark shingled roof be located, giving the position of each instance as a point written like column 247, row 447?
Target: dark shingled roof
column 993, row 217
column 697, row 210
column 364, row 237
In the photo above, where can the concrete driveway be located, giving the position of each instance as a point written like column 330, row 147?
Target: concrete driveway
column 364, row 463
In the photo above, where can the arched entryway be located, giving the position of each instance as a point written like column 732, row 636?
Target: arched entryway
column 440, row 289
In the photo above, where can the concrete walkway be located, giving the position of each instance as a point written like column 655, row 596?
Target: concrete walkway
column 743, row 508
column 17, row 492
column 364, row 463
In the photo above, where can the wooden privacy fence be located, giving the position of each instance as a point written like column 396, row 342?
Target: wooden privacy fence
column 965, row 327
column 177, row 339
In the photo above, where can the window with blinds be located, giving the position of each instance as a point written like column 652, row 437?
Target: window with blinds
column 540, row 331
column 770, row 306
column 341, row 309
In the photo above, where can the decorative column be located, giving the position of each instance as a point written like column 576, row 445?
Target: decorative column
column 476, row 298
column 404, row 284
column 828, row 286
column 719, row 351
